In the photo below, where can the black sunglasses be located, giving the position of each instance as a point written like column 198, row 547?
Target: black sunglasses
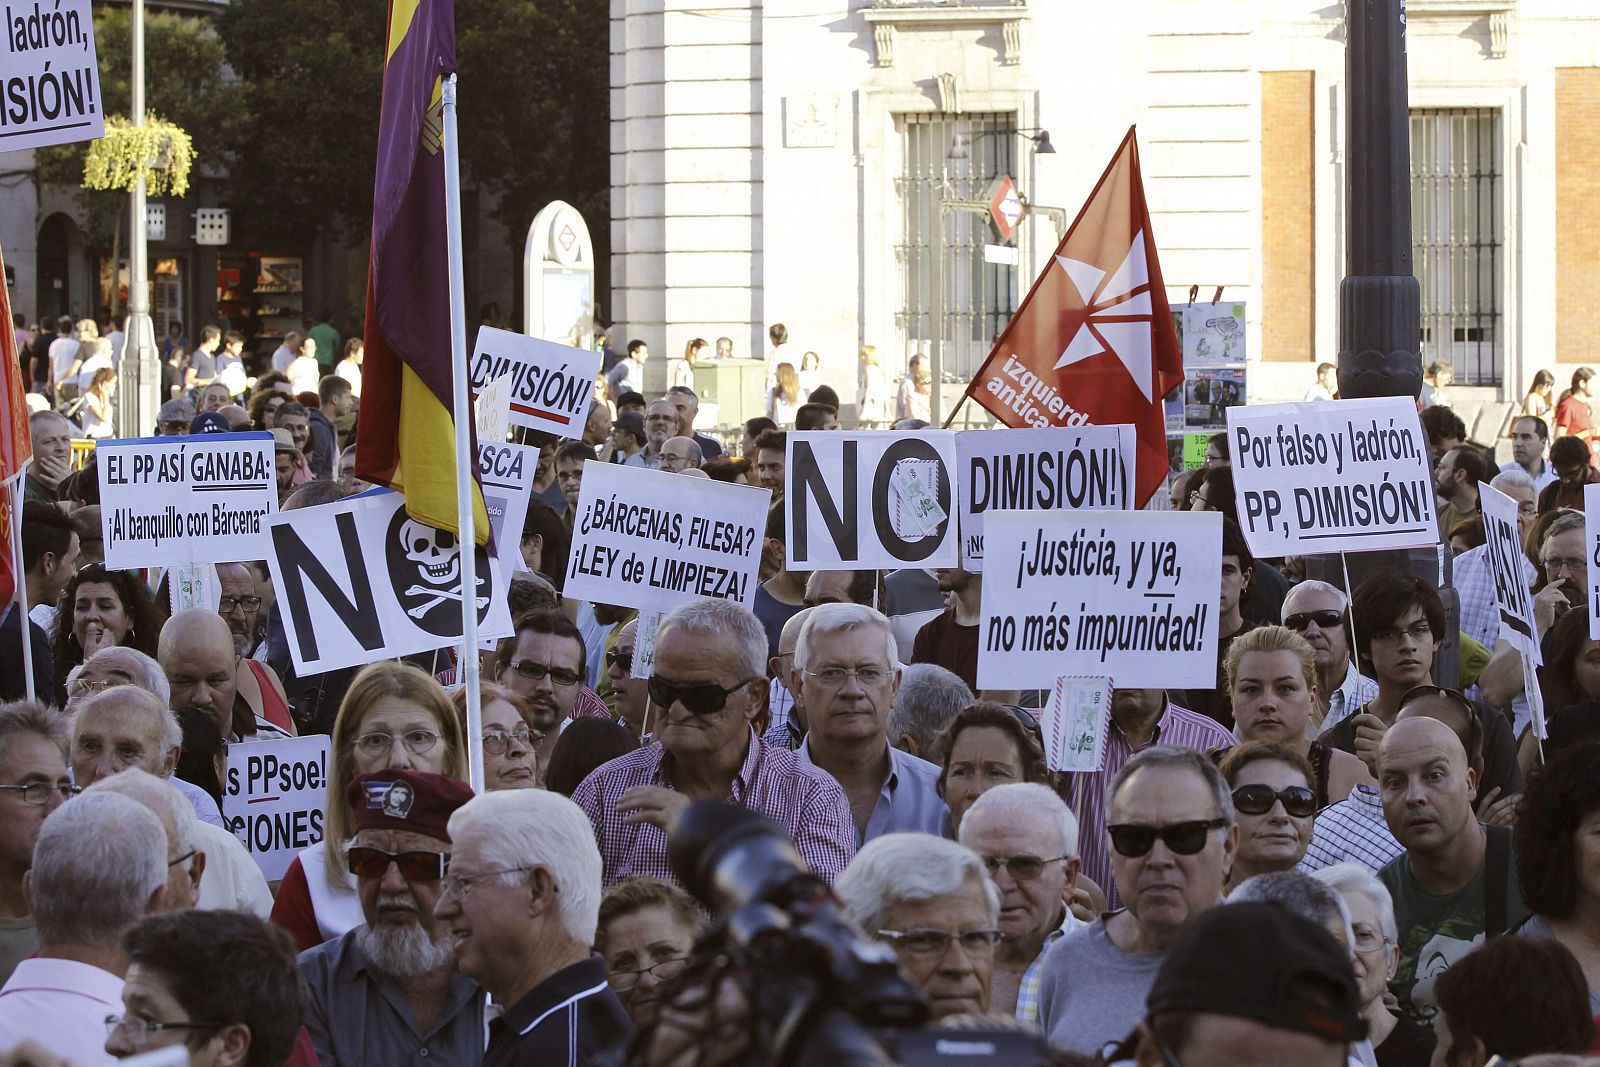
column 1298, row 801
column 621, row 659
column 1326, row 620
column 701, row 698
column 414, row 866
column 1184, row 838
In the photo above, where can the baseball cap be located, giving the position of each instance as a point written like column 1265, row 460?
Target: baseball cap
column 415, row 801
column 632, row 422
column 175, row 411
column 1260, row 961
column 209, row 422
column 631, row 397
column 282, row 440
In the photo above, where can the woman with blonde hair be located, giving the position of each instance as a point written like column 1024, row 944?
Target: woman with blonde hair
column 394, row 716
column 97, row 414
column 510, row 760
column 872, row 390
column 785, row 398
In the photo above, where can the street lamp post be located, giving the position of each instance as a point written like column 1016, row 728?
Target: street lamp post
column 139, row 378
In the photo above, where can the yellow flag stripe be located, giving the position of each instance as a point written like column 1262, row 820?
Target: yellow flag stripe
column 401, row 14
column 427, row 468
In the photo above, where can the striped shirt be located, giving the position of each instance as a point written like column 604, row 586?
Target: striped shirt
column 1086, row 792
column 1028, row 991
column 804, row 800
column 569, row 1019
column 1356, row 690
column 1353, row 831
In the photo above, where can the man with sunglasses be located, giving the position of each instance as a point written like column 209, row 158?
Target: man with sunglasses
column 1172, row 834
column 1456, row 882
column 629, row 700
column 845, row 675
column 1319, row 612
column 708, row 687
column 388, row 991
column 1028, row 840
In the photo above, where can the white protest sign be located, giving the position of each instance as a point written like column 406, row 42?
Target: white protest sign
column 52, row 79
column 493, row 409
column 653, row 540
column 869, row 501
column 274, row 797
column 1074, row 723
column 1332, row 476
column 1512, row 597
column 1129, row 595
column 204, row 498
column 1591, row 533
column 359, row 580
column 644, row 645
column 194, row 585
column 506, row 474
column 551, row 385
column 1213, row 334
column 1078, row 467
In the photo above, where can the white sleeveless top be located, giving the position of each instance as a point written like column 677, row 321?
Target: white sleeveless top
column 338, row 911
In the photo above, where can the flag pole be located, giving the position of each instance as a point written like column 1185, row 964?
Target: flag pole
column 467, row 664
column 14, row 487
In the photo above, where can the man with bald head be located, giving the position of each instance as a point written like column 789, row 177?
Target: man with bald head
column 196, row 651
column 1456, row 881
column 125, row 728
column 679, row 454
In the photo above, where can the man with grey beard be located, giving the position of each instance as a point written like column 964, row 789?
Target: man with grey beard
column 388, row 991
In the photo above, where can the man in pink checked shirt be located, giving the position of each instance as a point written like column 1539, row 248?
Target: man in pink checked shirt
column 708, row 684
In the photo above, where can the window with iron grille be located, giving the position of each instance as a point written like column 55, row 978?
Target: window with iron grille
column 1457, row 239
column 953, row 157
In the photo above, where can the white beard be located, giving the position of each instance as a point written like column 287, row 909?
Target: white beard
column 403, row 951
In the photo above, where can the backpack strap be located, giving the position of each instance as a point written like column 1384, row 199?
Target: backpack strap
column 1496, row 875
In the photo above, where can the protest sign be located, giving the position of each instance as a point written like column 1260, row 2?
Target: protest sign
column 52, row 79
column 1128, row 595
column 644, row 645
column 1513, row 598
column 652, row 540
column 359, row 580
column 1332, row 476
column 506, row 474
column 1213, row 334
column 869, row 501
column 1080, row 467
column 492, row 411
column 205, row 498
column 274, row 798
column 1074, row 724
column 552, row 385
column 194, row 585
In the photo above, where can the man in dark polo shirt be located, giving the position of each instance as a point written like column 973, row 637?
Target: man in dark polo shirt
column 388, row 991
column 522, row 901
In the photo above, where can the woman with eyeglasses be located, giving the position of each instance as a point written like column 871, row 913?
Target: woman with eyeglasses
column 510, row 759
column 986, row 745
column 1272, row 675
column 1275, row 804
column 393, row 716
column 646, row 931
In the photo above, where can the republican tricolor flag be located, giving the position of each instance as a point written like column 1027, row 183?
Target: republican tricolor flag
column 1094, row 341
column 406, row 435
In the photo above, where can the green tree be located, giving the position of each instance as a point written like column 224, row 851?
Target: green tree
column 186, row 82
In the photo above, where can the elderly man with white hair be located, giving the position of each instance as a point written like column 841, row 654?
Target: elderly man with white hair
column 125, row 726
column 1375, row 940
column 120, row 665
column 99, row 867
column 709, row 685
column 186, row 863
column 1028, row 840
column 1320, row 613
column 933, row 902
column 522, row 901
column 845, row 676
column 930, row 697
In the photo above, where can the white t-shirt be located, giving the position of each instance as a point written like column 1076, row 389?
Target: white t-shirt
column 304, row 374
column 350, row 371
column 63, row 350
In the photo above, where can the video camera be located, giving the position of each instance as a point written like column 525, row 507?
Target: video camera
column 820, row 991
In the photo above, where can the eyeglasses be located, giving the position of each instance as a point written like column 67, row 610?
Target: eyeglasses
column 417, row 866
column 495, row 742
column 559, row 676
column 1325, row 620
column 1021, row 868
column 1422, row 692
column 139, row 1030
column 227, row 604
column 1556, row 564
column 1419, row 632
column 935, row 943
column 701, row 698
column 1184, row 838
column 664, row 971
column 460, row 885
column 833, row 677
column 621, row 659
column 1298, row 801
column 39, row 792
column 191, row 854
column 376, row 744
column 1369, row 940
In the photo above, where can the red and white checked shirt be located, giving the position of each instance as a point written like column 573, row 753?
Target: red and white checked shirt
column 1086, row 793
column 803, row 799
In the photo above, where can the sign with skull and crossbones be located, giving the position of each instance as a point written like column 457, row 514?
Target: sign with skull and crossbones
column 425, row 569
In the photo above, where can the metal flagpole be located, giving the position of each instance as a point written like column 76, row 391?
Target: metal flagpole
column 467, row 665
column 15, row 489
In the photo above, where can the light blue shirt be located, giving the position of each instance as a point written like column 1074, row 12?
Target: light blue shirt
column 909, row 801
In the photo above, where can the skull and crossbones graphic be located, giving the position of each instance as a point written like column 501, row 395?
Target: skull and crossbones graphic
column 426, row 573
